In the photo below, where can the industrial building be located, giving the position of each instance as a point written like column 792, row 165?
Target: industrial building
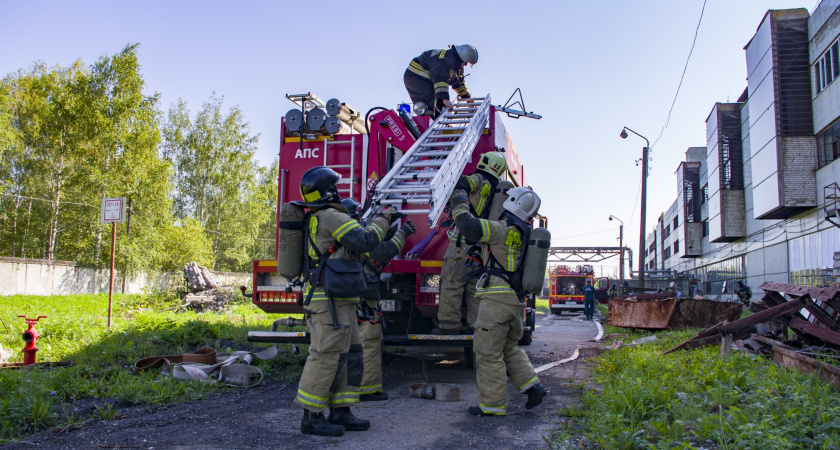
column 759, row 202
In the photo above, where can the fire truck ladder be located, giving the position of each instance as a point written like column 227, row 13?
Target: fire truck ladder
column 429, row 170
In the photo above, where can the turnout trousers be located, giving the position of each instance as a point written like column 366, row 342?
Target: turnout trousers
column 497, row 353
column 453, row 291
column 371, row 334
column 333, row 371
column 421, row 90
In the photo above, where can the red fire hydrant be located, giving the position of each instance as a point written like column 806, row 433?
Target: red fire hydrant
column 29, row 337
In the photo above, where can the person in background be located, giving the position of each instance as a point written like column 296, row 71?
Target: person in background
column 588, row 300
column 428, row 76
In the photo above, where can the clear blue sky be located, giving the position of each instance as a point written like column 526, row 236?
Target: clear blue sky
column 588, row 68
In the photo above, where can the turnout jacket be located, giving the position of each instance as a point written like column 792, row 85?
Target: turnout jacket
column 443, row 68
column 479, row 189
column 330, row 224
column 501, row 241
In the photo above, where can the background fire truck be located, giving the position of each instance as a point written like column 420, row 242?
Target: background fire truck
column 363, row 149
column 566, row 287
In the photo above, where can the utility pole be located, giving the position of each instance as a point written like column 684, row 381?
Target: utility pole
column 645, row 151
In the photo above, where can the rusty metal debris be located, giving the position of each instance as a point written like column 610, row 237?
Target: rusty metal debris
column 811, row 314
column 659, row 314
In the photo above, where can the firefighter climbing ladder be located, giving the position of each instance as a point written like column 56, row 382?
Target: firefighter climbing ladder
column 422, row 180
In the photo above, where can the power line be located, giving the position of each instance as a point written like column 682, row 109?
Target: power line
column 696, row 32
column 63, row 202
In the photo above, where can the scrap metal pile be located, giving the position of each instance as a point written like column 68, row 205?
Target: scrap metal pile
column 811, row 314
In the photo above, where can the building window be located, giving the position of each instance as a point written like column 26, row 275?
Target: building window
column 666, row 254
column 704, row 194
column 705, row 228
column 676, row 222
column 827, row 68
column 676, row 247
column 828, row 144
column 666, row 232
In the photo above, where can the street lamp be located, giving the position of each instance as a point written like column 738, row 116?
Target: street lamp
column 645, row 151
column 621, row 247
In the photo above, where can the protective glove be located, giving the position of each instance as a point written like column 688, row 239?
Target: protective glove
column 407, row 228
column 458, row 198
column 463, row 183
column 391, row 214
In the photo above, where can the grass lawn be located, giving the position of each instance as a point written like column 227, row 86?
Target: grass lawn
column 699, row 399
column 142, row 325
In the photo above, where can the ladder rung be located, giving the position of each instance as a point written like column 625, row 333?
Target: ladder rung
column 341, row 166
column 406, row 189
column 431, row 153
column 427, row 163
column 388, row 201
column 416, row 176
column 439, row 144
column 453, row 122
column 457, row 133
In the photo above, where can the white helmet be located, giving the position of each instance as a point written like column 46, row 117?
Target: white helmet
column 467, row 53
column 523, row 203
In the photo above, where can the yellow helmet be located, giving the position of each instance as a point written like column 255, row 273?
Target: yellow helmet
column 493, row 163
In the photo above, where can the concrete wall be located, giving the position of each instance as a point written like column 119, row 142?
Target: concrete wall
column 40, row 277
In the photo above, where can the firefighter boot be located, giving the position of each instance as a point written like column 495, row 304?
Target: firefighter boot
column 374, row 397
column 342, row 416
column 316, row 423
column 535, row 396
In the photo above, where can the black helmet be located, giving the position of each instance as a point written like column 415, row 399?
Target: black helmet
column 317, row 186
column 352, row 206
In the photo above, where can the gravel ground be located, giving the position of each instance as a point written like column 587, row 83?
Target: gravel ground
column 262, row 417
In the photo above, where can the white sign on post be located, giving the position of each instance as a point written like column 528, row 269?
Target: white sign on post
column 113, row 210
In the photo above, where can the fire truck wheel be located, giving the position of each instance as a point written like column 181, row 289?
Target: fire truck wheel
column 527, row 338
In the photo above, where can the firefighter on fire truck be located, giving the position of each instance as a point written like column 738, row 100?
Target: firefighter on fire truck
column 332, row 373
column 368, row 314
column 501, row 300
column 457, row 260
column 428, row 77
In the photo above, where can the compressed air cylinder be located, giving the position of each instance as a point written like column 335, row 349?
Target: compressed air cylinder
column 334, row 125
column 294, row 121
column 290, row 241
column 499, row 198
column 536, row 259
column 315, row 118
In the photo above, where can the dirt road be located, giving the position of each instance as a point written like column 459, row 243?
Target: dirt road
column 262, row 417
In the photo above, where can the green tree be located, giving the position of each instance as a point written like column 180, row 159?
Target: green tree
column 83, row 134
column 216, row 177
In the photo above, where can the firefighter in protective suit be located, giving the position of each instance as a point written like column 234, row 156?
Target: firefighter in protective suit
column 481, row 187
column 498, row 328
column 428, row 77
column 333, row 371
column 369, row 317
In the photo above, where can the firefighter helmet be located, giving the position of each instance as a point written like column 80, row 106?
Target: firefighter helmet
column 317, row 186
column 353, row 207
column 467, row 53
column 523, row 203
column 493, row 163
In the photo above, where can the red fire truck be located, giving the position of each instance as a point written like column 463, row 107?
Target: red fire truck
column 566, row 287
column 363, row 149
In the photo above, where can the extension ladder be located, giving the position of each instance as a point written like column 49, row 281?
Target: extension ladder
column 423, row 179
